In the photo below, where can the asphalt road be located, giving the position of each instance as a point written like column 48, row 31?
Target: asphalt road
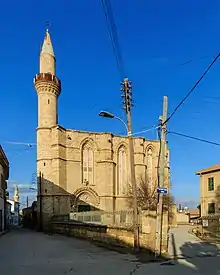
column 25, row 252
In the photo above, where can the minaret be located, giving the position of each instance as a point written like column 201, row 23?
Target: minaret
column 16, row 194
column 47, row 85
column 48, row 88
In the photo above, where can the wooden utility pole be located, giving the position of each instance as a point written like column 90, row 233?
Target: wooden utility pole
column 162, row 162
column 127, row 95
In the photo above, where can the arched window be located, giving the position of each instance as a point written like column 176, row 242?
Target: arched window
column 150, row 165
column 87, row 163
column 122, row 171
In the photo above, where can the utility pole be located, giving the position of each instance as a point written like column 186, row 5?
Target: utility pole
column 162, row 162
column 40, row 201
column 127, row 104
column 27, row 201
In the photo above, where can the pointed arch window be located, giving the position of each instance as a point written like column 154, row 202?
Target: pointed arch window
column 122, row 171
column 150, row 165
column 88, row 164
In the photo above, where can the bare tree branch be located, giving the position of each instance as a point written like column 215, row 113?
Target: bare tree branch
column 147, row 197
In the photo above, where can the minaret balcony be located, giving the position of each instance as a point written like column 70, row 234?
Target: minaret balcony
column 47, row 77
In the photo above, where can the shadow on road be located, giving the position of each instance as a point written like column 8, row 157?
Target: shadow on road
column 192, row 258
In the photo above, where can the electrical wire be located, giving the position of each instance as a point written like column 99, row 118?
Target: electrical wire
column 192, row 60
column 115, row 34
column 195, row 138
column 192, row 89
column 147, row 130
column 20, row 143
column 109, row 16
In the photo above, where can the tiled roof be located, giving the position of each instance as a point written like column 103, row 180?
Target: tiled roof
column 193, row 211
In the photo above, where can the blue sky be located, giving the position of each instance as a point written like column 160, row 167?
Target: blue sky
column 156, row 38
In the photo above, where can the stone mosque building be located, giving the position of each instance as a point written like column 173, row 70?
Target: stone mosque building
column 82, row 171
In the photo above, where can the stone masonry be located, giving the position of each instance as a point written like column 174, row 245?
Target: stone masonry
column 83, row 170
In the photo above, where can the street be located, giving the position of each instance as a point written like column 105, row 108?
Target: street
column 25, row 252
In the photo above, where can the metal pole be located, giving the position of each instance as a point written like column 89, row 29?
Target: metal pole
column 128, row 105
column 162, row 161
column 27, row 201
column 40, row 202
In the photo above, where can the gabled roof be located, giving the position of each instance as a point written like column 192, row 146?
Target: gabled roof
column 210, row 169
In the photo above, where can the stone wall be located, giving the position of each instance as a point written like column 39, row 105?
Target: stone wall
column 107, row 235
column 182, row 218
column 113, row 234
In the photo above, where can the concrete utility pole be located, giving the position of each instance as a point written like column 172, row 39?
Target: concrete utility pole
column 40, row 202
column 127, row 95
column 162, row 162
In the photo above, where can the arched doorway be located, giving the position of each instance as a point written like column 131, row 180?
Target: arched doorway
column 86, row 199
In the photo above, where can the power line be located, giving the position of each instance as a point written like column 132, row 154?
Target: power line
column 144, row 131
column 19, row 143
column 192, row 60
column 115, row 34
column 109, row 16
column 193, row 88
column 195, row 138
column 147, row 130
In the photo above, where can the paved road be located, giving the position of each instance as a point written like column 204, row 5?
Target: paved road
column 24, row 252
column 183, row 244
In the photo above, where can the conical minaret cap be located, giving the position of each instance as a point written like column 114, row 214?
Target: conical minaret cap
column 47, row 47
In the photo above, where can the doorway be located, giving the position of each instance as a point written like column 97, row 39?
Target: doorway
column 84, row 208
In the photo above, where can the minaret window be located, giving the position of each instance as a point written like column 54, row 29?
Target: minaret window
column 122, row 171
column 87, row 162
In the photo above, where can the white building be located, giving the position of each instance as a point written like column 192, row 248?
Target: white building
column 15, row 207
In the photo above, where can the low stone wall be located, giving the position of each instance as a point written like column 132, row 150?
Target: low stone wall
column 104, row 234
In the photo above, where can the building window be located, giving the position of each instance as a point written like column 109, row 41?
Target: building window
column 87, row 161
column 211, row 184
column 150, row 165
column 211, row 208
column 122, row 171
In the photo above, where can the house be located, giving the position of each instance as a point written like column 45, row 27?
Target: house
column 4, row 174
column 8, row 214
column 15, row 208
column 193, row 214
column 209, row 190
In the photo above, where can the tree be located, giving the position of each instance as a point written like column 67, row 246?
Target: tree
column 147, row 197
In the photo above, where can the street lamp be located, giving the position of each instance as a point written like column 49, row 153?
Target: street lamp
column 110, row 115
